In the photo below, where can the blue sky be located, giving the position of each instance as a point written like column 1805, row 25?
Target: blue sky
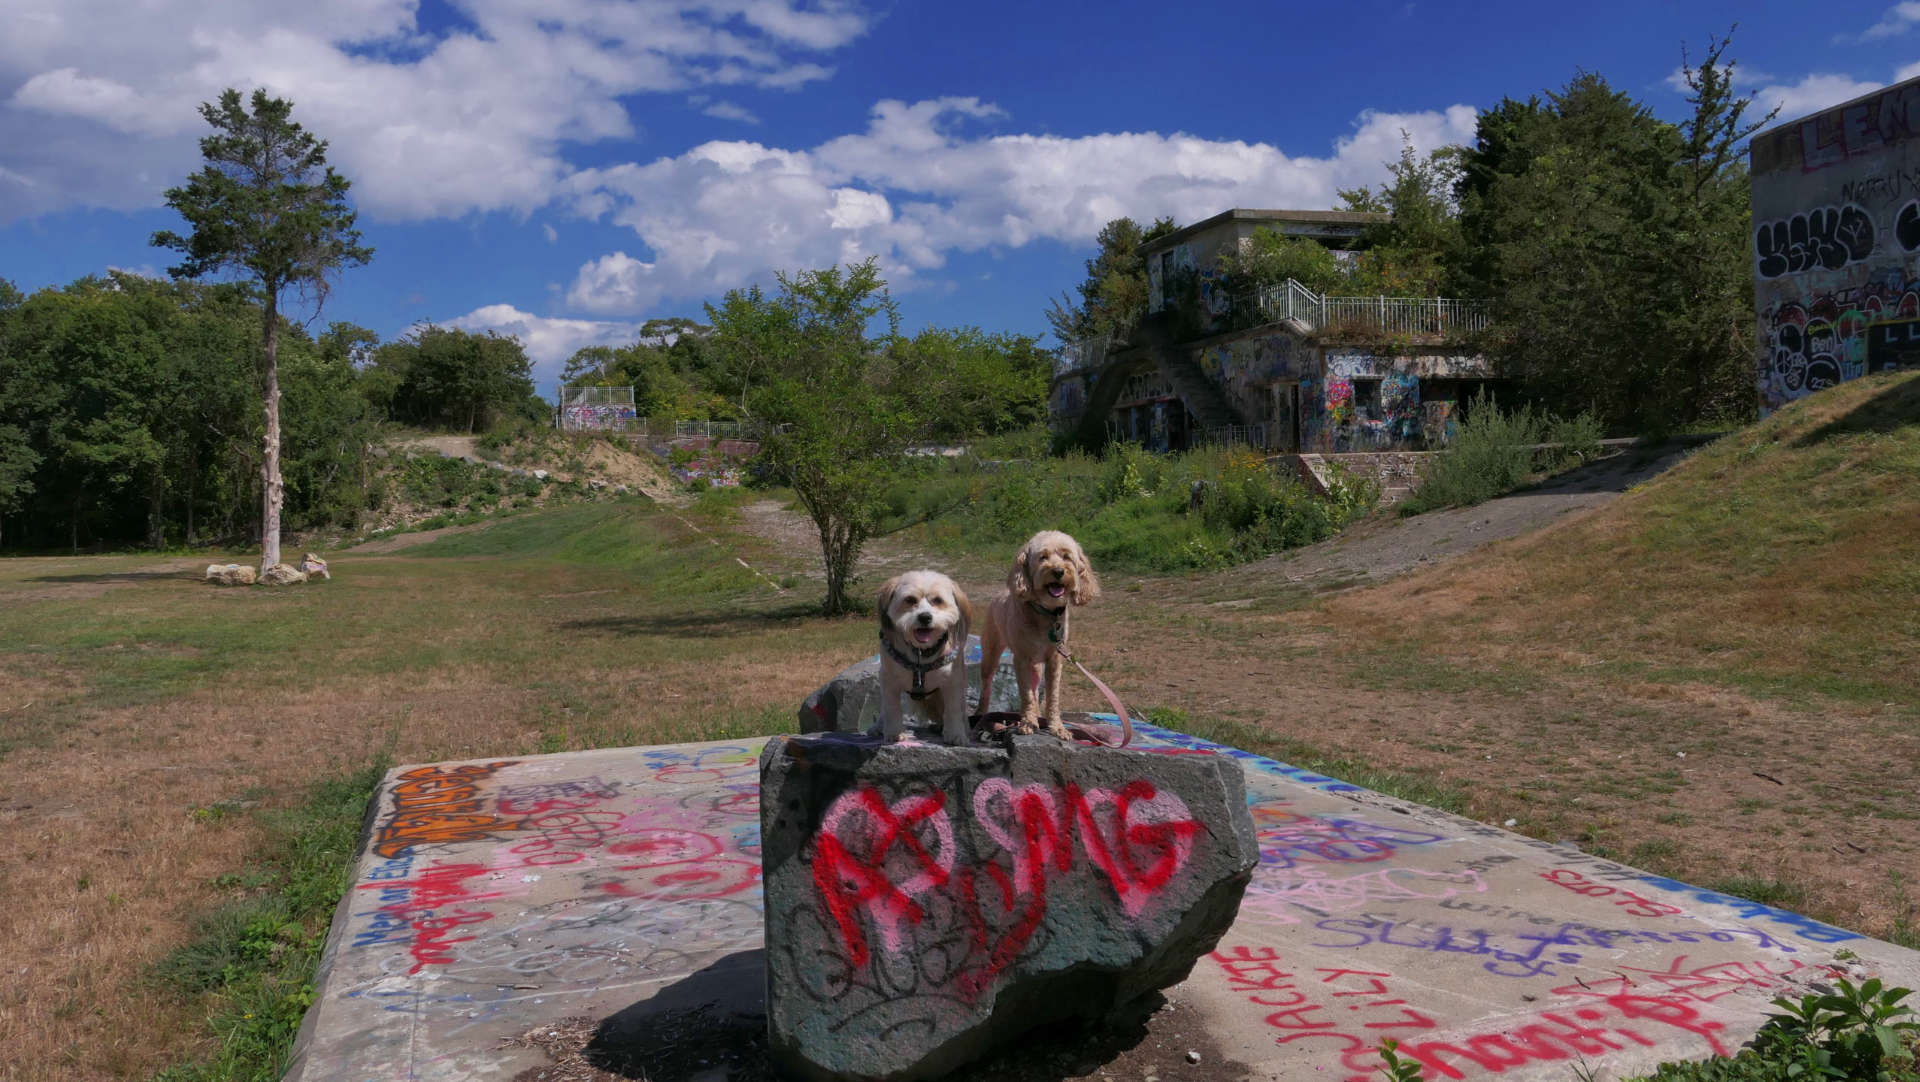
column 565, row 169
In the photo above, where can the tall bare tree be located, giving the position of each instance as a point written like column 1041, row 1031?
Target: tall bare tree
column 266, row 207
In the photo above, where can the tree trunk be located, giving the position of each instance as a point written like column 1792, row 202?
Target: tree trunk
column 156, row 504
column 273, row 491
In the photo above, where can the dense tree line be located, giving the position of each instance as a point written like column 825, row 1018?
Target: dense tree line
column 1613, row 245
column 130, row 411
column 130, row 414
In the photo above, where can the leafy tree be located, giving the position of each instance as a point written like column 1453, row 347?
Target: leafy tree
column 17, row 455
column 443, row 377
column 267, row 208
column 1115, row 294
column 1616, row 246
column 1503, row 141
column 671, row 369
column 840, row 406
column 1415, row 250
column 987, row 383
column 1712, row 302
column 129, row 412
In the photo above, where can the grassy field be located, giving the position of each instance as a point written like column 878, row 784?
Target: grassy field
column 1717, row 663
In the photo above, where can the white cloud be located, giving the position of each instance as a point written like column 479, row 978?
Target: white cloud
column 98, row 98
column 1898, row 20
column 726, row 110
column 548, row 341
column 1809, row 95
column 547, row 230
column 1907, row 72
column 921, row 182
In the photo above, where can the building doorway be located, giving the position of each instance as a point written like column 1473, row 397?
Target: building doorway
column 1284, row 436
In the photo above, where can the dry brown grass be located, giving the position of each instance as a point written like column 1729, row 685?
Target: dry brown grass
column 1647, row 681
column 128, row 781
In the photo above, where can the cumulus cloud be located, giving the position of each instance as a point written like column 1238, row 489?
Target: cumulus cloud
column 100, row 97
column 922, row 181
column 1907, row 72
column 1810, row 95
column 547, row 340
column 1897, row 20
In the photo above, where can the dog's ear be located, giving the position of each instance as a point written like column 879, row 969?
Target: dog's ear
column 884, row 602
column 965, row 606
column 1085, row 586
column 1019, row 579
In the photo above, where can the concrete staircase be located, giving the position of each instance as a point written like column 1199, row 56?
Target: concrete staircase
column 1204, row 398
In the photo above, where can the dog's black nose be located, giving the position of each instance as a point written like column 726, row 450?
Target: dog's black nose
column 926, row 618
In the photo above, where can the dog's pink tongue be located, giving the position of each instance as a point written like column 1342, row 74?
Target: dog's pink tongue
column 923, row 635
column 1055, row 590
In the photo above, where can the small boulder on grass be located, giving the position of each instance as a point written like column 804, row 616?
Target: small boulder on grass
column 230, row 574
column 282, row 575
column 314, row 566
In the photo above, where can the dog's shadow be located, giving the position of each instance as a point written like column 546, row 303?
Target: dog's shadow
column 710, row 1026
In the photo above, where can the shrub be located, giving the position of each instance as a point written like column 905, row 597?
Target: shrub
column 1497, row 451
column 1132, row 510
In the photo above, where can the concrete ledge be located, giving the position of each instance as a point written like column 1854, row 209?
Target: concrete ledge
column 603, row 911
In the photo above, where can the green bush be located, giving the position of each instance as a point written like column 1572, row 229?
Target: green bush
column 1497, row 451
column 1131, row 510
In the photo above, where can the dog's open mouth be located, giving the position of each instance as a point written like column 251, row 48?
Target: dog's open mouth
column 1056, row 589
column 924, row 636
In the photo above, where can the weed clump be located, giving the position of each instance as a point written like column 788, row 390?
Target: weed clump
column 1130, row 509
column 1497, row 451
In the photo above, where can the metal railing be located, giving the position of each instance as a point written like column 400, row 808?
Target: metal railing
column 1254, row 435
column 1421, row 316
column 1083, row 354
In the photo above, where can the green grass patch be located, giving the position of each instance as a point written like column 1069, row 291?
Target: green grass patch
column 252, row 960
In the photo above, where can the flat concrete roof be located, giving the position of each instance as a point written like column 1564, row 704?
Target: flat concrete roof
column 606, row 906
column 1354, row 219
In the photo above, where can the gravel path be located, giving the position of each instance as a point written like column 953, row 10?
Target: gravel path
column 1387, row 547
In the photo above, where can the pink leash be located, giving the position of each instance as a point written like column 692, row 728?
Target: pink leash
column 996, row 721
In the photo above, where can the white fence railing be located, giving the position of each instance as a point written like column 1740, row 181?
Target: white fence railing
column 1422, row 316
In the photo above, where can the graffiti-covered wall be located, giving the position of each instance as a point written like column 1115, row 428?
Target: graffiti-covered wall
column 1836, row 229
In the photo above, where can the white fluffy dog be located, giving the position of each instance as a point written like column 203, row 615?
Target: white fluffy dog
column 923, row 652
column 1049, row 574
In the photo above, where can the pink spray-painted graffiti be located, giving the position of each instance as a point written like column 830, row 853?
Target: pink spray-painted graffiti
column 891, row 870
column 1349, row 1012
column 676, row 865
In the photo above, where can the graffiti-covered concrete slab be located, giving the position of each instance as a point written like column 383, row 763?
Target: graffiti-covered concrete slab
column 927, row 905
column 610, row 902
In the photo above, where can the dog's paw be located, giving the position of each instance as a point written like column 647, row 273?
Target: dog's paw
column 1026, row 726
column 1058, row 728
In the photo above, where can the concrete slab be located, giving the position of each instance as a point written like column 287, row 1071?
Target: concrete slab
column 607, row 905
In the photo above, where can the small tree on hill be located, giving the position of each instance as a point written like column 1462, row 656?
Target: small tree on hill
column 267, row 208
column 838, row 406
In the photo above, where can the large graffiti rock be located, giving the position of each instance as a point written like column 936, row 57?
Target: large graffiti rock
column 926, row 904
column 850, row 702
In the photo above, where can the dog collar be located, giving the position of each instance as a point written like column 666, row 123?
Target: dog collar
column 920, row 665
column 1055, row 634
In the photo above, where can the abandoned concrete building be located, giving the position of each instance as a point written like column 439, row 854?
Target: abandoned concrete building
column 1836, row 244
column 1304, row 374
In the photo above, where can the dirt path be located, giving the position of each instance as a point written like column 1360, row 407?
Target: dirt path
column 1387, row 547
